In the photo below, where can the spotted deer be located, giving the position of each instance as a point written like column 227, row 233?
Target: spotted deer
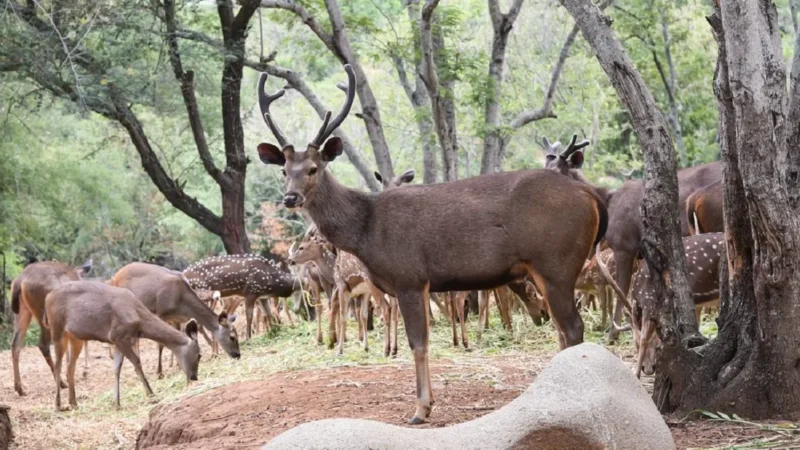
column 28, row 292
column 704, row 253
column 624, row 223
column 81, row 311
column 592, row 283
column 250, row 276
column 167, row 294
column 411, row 243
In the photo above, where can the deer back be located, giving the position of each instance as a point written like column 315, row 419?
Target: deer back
column 240, row 275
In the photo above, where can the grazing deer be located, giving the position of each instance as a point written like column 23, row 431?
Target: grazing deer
column 90, row 311
column 250, row 276
column 704, row 210
column 529, row 223
column 704, row 253
column 28, row 292
column 167, row 294
column 624, row 223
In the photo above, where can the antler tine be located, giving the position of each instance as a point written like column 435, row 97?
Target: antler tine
column 264, row 100
column 319, row 138
column 573, row 147
column 326, row 131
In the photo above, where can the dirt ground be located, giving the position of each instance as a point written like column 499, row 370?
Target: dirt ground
column 224, row 412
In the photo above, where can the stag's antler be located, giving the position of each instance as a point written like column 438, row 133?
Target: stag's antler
column 327, row 128
column 264, row 100
column 573, row 147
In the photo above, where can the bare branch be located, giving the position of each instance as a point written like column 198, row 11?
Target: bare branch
column 186, row 80
column 304, row 15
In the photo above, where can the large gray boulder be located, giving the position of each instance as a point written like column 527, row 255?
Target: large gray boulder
column 585, row 399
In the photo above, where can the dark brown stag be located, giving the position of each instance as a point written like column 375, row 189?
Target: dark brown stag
column 704, row 210
column 407, row 240
column 250, row 276
column 624, row 219
column 28, row 292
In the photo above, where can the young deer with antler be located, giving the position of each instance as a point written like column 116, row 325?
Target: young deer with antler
column 704, row 253
column 91, row 311
column 28, row 292
column 624, row 223
column 250, row 276
column 168, row 295
column 529, row 223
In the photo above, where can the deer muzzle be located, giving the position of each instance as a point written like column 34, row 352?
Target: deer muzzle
column 293, row 200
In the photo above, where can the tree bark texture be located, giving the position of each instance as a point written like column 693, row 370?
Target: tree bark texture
column 661, row 244
column 502, row 25
column 442, row 108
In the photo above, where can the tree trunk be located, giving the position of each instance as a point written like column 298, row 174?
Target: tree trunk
column 661, row 244
column 674, row 108
column 751, row 367
column 6, row 434
column 493, row 139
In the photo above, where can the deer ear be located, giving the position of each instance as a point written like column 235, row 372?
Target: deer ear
column 191, row 330
column 331, row 149
column 232, row 318
column 408, row 176
column 223, row 319
column 576, row 160
column 271, row 154
column 85, row 268
column 378, row 176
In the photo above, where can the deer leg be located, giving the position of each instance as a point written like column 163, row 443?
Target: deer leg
column 118, row 358
column 564, row 313
column 249, row 304
column 75, row 346
column 483, row 312
column 60, row 347
column 86, row 360
column 504, row 305
column 364, row 316
column 395, row 322
column 21, row 322
column 288, row 311
column 159, row 370
column 344, row 301
column 413, row 307
column 44, row 347
column 450, row 299
column 318, row 309
column 127, row 351
column 644, row 343
column 624, row 263
column 333, row 319
column 460, row 298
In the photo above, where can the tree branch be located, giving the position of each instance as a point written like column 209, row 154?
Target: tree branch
column 305, row 16
column 186, row 80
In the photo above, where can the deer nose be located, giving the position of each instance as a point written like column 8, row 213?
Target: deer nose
column 292, row 199
column 193, row 378
column 236, row 355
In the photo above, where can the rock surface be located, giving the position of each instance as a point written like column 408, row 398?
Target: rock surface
column 585, row 399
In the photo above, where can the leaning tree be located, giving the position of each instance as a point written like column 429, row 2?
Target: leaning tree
column 751, row 367
column 106, row 58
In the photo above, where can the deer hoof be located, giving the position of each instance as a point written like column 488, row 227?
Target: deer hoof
column 20, row 391
column 62, row 385
column 416, row 421
column 160, row 376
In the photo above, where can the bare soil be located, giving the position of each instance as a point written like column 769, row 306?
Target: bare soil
column 248, row 415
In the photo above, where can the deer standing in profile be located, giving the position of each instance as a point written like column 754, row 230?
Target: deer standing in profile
column 624, row 223
column 704, row 253
column 168, row 295
column 28, row 292
column 532, row 223
column 704, row 210
column 90, row 311
column 249, row 276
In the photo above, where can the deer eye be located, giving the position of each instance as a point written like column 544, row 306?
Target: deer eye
column 283, row 171
column 312, row 171
column 551, row 157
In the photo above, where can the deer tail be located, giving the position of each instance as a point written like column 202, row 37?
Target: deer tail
column 691, row 214
column 622, row 297
column 16, row 291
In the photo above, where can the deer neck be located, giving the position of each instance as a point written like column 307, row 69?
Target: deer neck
column 157, row 330
column 341, row 214
column 193, row 308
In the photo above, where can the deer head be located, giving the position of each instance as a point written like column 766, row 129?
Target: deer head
column 303, row 169
column 188, row 354
column 566, row 161
column 226, row 334
column 405, row 178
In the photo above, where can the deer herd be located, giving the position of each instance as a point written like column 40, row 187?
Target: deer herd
column 533, row 237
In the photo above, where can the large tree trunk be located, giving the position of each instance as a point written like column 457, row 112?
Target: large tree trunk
column 661, row 244
column 751, row 367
